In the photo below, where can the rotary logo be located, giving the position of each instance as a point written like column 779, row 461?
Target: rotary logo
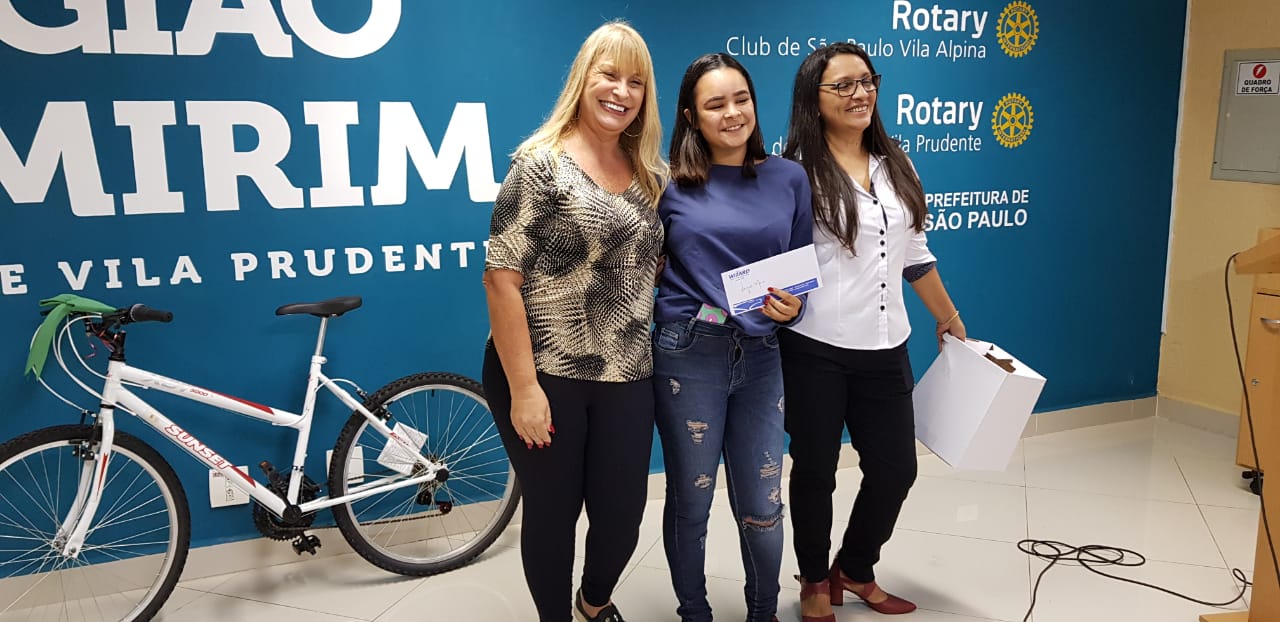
column 1012, row 119
column 1017, row 29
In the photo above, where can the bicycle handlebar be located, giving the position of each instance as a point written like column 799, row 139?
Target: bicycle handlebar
column 143, row 313
column 65, row 306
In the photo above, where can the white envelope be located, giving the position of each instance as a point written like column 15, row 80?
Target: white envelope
column 973, row 403
column 795, row 271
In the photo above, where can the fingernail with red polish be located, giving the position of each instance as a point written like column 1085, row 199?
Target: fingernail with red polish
column 551, row 428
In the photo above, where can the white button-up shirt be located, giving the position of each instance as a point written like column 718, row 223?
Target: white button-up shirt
column 859, row 305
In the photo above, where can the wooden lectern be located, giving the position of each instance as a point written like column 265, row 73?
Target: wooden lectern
column 1262, row 376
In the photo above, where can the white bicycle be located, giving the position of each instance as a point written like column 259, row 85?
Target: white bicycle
column 94, row 523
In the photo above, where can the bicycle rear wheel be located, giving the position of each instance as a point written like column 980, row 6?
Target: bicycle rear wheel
column 135, row 548
column 428, row 528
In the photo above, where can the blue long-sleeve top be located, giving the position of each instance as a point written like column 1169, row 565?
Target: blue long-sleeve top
column 729, row 222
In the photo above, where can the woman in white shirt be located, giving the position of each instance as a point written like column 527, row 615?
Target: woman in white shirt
column 845, row 363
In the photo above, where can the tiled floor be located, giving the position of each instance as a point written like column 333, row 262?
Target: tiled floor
column 1167, row 491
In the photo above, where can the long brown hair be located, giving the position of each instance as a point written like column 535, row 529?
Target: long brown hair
column 833, row 191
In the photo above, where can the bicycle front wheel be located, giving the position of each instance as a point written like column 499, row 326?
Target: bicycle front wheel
column 134, row 549
column 426, row 528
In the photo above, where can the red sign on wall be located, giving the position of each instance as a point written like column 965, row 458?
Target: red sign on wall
column 1258, row 78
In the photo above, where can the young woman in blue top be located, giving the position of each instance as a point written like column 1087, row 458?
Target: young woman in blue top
column 718, row 377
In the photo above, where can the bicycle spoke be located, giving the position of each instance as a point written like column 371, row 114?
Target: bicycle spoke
column 493, row 480
column 24, row 594
column 110, row 485
column 497, row 447
column 452, row 416
column 40, row 556
column 452, row 456
column 116, row 543
column 390, row 511
column 117, row 514
column 395, row 523
column 28, row 495
column 44, row 492
column 32, row 529
column 500, row 460
column 120, row 520
column 49, row 496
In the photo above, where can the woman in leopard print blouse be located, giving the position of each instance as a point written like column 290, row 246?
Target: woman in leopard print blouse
column 569, row 277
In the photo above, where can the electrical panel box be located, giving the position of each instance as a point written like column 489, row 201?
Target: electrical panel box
column 1248, row 142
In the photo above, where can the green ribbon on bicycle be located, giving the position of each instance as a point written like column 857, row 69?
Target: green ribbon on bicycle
column 60, row 307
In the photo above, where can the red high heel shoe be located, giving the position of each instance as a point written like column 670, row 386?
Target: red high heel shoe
column 814, row 589
column 890, row 606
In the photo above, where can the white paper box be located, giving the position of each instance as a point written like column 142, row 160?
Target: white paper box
column 973, row 403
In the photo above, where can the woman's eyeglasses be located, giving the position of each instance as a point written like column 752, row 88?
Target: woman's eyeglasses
column 847, row 88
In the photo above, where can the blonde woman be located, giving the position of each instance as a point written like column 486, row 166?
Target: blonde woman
column 569, row 277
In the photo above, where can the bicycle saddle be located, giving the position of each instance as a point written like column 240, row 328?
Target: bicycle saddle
column 333, row 307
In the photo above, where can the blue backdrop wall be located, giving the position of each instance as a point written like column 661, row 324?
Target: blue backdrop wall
column 221, row 160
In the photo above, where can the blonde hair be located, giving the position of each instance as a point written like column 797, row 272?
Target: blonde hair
column 619, row 43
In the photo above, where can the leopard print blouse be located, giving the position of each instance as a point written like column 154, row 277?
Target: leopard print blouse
column 588, row 258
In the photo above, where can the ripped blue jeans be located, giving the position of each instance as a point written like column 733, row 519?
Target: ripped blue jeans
column 718, row 392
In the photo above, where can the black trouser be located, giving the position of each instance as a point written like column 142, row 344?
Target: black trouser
column 599, row 455
column 868, row 392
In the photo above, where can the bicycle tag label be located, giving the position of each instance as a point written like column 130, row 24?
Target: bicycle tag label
column 396, row 457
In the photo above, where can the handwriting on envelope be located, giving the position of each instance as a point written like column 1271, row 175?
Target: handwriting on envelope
column 795, row 271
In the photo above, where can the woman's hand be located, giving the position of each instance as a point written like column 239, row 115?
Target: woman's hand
column 783, row 308
column 531, row 416
column 955, row 326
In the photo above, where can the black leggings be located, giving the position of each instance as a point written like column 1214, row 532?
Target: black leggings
column 869, row 393
column 599, row 455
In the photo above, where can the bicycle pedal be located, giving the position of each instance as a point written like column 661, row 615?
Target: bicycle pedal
column 306, row 544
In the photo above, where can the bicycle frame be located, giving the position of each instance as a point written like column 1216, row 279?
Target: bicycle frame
column 115, row 393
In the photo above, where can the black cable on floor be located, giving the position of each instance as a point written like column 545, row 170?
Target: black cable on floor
column 1093, row 556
